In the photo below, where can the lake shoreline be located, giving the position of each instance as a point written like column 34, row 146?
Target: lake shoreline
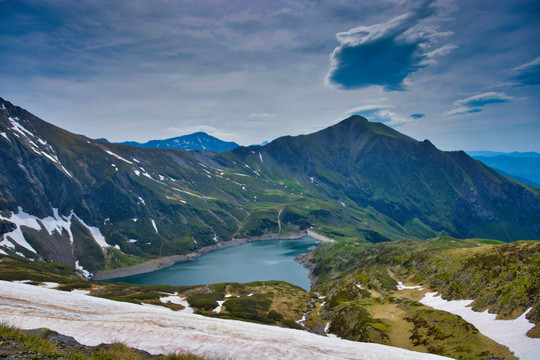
column 157, row 264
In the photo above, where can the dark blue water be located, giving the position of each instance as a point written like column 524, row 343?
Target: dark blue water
column 256, row 261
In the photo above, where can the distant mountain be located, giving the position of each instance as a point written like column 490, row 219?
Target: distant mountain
column 529, row 154
column 195, row 141
column 522, row 167
column 95, row 205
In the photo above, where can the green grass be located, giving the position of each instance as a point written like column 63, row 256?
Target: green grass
column 36, row 346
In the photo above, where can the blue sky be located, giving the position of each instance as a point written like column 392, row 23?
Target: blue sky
column 464, row 74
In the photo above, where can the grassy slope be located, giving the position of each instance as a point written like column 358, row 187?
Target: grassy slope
column 362, row 302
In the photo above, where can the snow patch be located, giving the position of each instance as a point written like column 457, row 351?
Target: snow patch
column 96, row 234
column 87, row 274
column 260, row 157
column 220, row 305
column 49, row 285
column 19, row 128
column 154, row 225
column 137, row 172
column 58, row 223
column 81, row 292
column 400, row 286
column 510, row 333
column 175, row 299
column 118, row 156
column 5, row 135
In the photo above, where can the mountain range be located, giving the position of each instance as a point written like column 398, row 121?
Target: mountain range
column 522, row 167
column 195, row 141
column 94, row 205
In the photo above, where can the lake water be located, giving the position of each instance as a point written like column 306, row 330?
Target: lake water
column 255, row 261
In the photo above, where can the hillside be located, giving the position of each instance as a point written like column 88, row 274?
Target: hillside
column 96, row 205
column 366, row 299
column 423, row 191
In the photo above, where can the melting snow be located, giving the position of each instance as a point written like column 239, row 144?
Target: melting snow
column 157, row 330
column 137, row 172
column 87, row 274
column 5, row 135
column 55, row 223
column 260, row 157
column 220, row 305
column 117, row 156
column 175, row 299
column 141, row 201
column 96, row 234
column 400, row 286
column 154, row 225
column 58, row 224
column 510, row 333
column 19, row 128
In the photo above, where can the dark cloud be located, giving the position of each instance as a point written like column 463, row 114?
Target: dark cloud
column 385, row 53
column 528, row 74
column 418, row 116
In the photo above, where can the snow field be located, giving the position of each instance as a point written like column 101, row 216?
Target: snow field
column 159, row 330
column 510, row 333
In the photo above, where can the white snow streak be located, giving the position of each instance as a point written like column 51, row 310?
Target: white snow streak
column 154, row 225
column 118, row 156
column 161, row 331
column 5, row 135
column 96, row 234
column 19, row 128
column 400, row 286
column 510, row 333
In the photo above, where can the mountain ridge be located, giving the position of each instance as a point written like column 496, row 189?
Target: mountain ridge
column 99, row 205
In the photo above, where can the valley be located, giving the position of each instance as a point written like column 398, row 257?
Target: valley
column 393, row 213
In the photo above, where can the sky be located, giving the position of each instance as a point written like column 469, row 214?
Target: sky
column 463, row 74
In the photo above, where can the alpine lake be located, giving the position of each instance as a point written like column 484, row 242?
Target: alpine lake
column 254, row 261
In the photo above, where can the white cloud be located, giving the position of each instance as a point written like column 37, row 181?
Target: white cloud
column 369, row 107
column 391, row 118
column 484, row 98
column 262, row 115
column 210, row 130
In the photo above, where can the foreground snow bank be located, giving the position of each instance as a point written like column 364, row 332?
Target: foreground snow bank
column 510, row 333
column 158, row 330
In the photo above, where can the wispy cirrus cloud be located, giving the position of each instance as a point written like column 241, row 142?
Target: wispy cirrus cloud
column 527, row 74
column 369, row 107
column 262, row 115
column 367, row 54
column 473, row 103
column 210, row 130
column 484, row 99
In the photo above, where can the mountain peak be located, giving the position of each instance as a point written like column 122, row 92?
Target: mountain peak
column 196, row 141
